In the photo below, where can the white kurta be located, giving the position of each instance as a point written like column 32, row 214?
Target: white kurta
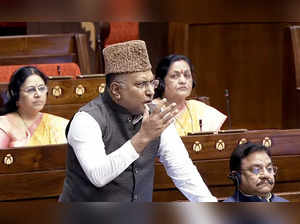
column 85, row 137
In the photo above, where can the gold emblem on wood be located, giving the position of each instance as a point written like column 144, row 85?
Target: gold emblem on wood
column 267, row 142
column 197, row 146
column 56, row 91
column 101, row 88
column 220, row 145
column 8, row 159
column 80, row 90
column 243, row 141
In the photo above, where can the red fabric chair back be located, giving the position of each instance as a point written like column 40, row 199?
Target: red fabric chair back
column 63, row 69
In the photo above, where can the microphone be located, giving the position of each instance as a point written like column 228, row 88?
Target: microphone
column 58, row 70
column 151, row 106
column 200, row 125
column 228, row 107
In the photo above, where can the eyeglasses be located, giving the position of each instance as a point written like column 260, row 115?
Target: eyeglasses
column 33, row 89
column 143, row 85
column 259, row 170
column 176, row 75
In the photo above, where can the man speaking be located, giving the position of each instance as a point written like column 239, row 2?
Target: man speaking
column 114, row 140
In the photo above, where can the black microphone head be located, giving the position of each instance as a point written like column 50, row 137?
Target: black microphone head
column 58, row 70
column 226, row 92
column 227, row 98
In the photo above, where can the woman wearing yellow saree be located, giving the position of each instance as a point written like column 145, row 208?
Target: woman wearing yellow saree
column 22, row 123
column 175, row 75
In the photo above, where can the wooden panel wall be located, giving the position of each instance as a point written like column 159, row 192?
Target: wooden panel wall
column 253, row 60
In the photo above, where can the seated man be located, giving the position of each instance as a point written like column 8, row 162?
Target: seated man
column 252, row 172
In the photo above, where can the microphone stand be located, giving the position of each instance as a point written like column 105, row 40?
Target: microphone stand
column 228, row 107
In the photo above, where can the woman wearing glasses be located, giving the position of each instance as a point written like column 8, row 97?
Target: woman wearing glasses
column 22, row 123
column 175, row 75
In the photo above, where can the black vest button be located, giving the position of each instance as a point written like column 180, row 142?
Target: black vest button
column 136, row 170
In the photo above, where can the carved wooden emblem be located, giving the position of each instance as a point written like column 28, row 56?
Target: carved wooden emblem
column 197, row 146
column 243, row 141
column 101, row 88
column 80, row 90
column 56, row 91
column 220, row 145
column 267, row 142
column 8, row 159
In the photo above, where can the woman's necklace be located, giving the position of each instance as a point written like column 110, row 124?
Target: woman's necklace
column 25, row 125
column 191, row 120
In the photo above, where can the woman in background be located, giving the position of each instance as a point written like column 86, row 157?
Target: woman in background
column 21, row 122
column 175, row 75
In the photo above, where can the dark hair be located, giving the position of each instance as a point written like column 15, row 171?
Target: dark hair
column 163, row 68
column 15, row 83
column 112, row 77
column 242, row 151
column 109, row 78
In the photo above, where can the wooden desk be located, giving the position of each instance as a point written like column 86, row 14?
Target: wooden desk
column 213, row 164
column 66, row 96
column 37, row 173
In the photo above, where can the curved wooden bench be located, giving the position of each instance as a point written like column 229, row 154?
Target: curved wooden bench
column 44, row 49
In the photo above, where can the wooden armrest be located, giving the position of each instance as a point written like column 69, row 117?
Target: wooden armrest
column 90, row 76
column 229, row 131
column 202, row 133
column 59, row 77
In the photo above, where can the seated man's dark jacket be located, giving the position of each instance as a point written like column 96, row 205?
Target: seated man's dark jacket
column 240, row 197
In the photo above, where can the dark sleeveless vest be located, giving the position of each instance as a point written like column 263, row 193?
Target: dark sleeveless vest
column 136, row 182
